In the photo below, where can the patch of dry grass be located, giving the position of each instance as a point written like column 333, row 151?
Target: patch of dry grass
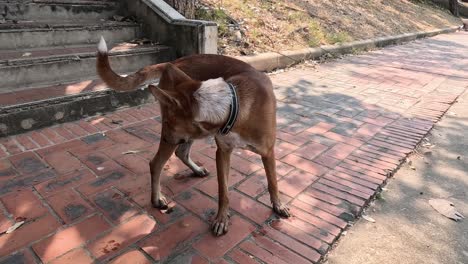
column 255, row 26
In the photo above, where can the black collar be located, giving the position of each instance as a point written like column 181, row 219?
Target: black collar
column 233, row 113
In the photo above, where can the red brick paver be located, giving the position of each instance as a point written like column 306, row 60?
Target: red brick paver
column 82, row 188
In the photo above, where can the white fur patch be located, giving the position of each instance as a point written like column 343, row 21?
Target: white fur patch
column 154, row 82
column 102, row 47
column 214, row 100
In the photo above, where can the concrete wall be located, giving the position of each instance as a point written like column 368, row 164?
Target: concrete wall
column 445, row 4
column 166, row 26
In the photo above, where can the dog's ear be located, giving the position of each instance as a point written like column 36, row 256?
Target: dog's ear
column 164, row 97
column 172, row 76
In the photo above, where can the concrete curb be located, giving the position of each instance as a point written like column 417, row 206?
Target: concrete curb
column 22, row 118
column 278, row 60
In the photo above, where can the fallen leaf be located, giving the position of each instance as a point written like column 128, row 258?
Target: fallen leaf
column 368, row 218
column 131, row 152
column 379, row 196
column 428, row 144
column 14, row 227
column 20, row 218
column 446, row 208
column 116, row 122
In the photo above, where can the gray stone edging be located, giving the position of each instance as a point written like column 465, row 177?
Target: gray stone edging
column 277, row 60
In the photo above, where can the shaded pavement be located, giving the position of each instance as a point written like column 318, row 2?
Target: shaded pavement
column 82, row 188
column 407, row 229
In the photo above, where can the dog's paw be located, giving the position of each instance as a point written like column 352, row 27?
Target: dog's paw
column 161, row 203
column 281, row 210
column 201, row 173
column 220, row 225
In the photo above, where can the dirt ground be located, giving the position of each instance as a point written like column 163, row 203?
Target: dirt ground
column 254, row 26
column 407, row 229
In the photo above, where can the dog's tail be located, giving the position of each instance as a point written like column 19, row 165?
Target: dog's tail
column 145, row 75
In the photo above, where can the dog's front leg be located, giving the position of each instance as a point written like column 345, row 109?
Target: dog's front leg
column 156, row 165
column 221, row 222
column 183, row 153
column 269, row 163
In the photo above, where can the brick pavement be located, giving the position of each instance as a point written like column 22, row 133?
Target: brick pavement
column 343, row 129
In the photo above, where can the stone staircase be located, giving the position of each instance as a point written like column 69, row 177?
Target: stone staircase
column 47, row 60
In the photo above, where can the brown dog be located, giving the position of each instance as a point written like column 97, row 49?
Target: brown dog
column 200, row 95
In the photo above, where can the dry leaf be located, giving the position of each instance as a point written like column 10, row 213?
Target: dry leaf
column 446, row 208
column 428, row 145
column 14, row 227
column 116, row 122
column 368, row 218
column 131, row 152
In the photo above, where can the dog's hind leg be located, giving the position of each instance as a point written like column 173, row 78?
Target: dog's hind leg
column 183, row 153
column 156, row 165
column 269, row 163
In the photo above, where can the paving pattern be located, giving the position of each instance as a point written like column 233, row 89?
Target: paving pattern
column 344, row 127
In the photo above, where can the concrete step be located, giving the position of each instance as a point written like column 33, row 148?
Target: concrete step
column 25, row 35
column 59, row 10
column 30, row 95
column 60, row 65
